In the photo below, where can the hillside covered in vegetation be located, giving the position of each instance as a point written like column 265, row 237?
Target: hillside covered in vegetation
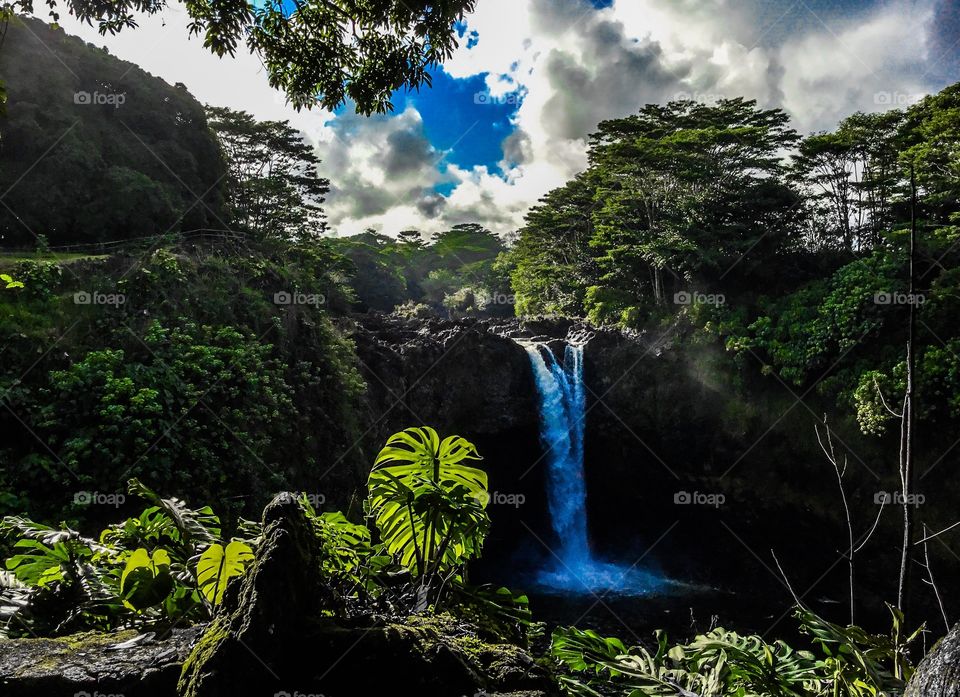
column 228, row 429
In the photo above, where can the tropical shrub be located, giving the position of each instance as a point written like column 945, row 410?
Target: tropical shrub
column 721, row 663
column 168, row 564
column 428, row 505
column 173, row 563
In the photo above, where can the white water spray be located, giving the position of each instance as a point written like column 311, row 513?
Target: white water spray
column 562, row 422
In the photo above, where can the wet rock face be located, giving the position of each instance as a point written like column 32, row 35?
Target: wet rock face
column 453, row 375
column 938, row 674
column 91, row 663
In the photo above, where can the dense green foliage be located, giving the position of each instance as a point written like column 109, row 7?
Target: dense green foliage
column 274, row 187
column 675, row 195
column 171, row 563
column 160, row 566
column 318, row 52
column 200, row 381
column 846, row 662
column 93, row 148
column 463, row 271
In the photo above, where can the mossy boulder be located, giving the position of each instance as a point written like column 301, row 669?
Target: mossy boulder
column 274, row 635
column 95, row 663
column 938, row 674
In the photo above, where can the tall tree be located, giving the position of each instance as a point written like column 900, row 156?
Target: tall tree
column 275, row 188
column 675, row 194
column 553, row 262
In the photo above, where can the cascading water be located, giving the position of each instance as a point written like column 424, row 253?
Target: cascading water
column 561, row 429
column 562, row 419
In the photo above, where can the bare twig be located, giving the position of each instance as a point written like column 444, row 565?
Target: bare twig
column 936, row 534
column 786, row 581
column 931, row 581
column 883, row 401
column 830, row 452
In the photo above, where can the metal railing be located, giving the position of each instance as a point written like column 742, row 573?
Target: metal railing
column 198, row 236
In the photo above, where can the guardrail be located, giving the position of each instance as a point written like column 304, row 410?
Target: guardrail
column 201, row 235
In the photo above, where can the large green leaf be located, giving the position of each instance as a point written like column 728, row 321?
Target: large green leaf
column 195, row 526
column 146, row 579
column 39, row 565
column 426, row 503
column 218, row 564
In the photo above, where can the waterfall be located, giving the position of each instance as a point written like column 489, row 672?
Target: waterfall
column 562, row 407
column 562, row 422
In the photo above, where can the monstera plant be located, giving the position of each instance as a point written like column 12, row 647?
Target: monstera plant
column 428, row 503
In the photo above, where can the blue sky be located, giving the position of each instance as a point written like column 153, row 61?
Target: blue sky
column 508, row 115
column 469, row 131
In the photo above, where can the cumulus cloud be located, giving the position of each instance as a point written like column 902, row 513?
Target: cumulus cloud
column 575, row 66
column 378, row 165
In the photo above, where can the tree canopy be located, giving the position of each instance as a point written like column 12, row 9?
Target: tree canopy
column 316, row 51
column 93, row 148
column 274, row 186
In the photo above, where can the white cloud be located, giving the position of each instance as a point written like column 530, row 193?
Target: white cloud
column 575, row 66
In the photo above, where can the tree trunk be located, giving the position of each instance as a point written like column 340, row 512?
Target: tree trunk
column 906, row 447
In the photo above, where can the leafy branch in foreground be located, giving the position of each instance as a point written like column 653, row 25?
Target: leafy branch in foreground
column 319, row 51
column 720, row 663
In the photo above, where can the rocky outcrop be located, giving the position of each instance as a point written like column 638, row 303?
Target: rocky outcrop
column 120, row 663
column 454, row 375
column 273, row 638
column 938, row 674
